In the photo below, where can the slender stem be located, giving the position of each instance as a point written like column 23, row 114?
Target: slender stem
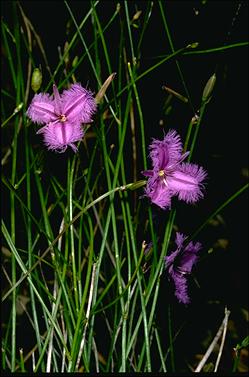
column 196, row 131
column 160, row 351
column 129, row 31
column 213, row 343
column 71, row 168
column 173, row 50
column 87, row 315
column 85, row 209
column 222, row 340
column 140, row 116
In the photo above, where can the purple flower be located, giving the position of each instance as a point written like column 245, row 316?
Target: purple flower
column 179, row 265
column 62, row 116
column 170, row 176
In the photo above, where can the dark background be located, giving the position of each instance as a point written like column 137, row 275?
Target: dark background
column 222, row 147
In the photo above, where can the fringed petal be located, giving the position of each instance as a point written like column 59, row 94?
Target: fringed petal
column 78, row 104
column 181, row 287
column 57, row 101
column 159, row 155
column 174, row 146
column 157, row 193
column 179, row 265
column 167, row 152
column 58, row 136
column 41, row 109
column 190, row 257
column 186, row 182
column 180, row 238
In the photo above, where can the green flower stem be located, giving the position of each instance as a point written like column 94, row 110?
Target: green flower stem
column 155, row 276
column 196, row 129
column 50, row 247
column 173, row 50
column 23, row 268
column 89, row 57
column 71, row 168
column 81, row 318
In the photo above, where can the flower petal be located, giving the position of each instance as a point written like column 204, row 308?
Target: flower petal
column 179, row 265
column 181, row 288
column 180, row 238
column 57, row 136
column 159, row 155
column 78, row 104
column 189, row 257
column 167, row 152
column 158, row 192
column 170, row 259
column 41, row 109
column 187, row 262
column 186, row 182
column 174, row 145
column 57, row 101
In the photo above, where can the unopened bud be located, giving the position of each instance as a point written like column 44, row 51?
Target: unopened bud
column 193, row 45
column 104, row 87
column 36, row 80
column 66, row 58
column 137, row 15
column 136, row 185
column 75, row 61
column 208, row 89
column 176, row 94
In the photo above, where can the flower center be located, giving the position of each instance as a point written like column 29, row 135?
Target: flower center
column 162, row 174
column 62, row 118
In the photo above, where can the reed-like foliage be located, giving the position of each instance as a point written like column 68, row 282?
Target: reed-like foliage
column 83, row 250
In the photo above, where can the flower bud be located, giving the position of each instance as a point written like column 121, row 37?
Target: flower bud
column 136, row 185
column 75, row 61
column 36, row 80
column 137, row 15
column 193, row 45
column 208, row 89
column 104, row 87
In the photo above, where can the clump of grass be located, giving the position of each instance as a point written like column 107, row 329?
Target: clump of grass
column 75, row 228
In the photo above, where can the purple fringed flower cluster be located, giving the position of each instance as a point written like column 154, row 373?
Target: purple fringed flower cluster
column 171, row 176
column 62, row 115
column 179, row 265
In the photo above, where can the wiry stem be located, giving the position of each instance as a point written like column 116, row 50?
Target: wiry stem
column 87, row 316
column 55, row 292
column 223, row 338
column 213, row 344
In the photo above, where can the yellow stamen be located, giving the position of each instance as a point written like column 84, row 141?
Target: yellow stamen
column 63, row 118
